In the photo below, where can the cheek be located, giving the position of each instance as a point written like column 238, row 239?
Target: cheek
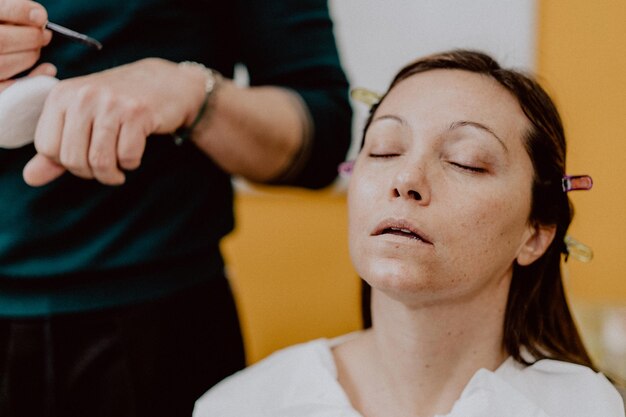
column 364, row 199
column 355, row 215
column 492, row 230
column 363, row 194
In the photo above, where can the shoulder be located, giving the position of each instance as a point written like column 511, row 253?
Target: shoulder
column 564, row 389
column 292, row 375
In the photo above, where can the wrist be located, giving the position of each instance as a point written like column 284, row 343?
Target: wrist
column 201, row 110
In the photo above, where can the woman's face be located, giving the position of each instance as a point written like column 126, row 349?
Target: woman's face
column 440, row 194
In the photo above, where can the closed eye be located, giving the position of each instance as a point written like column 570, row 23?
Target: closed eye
column 469, row 168
column 383, row 155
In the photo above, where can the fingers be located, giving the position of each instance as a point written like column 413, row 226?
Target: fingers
column 45, row 166
column 44, row 69
column 14, row 63
column 22, row 38
column 130, row 146
column 19, row 54
column 74, row 139
column 22, row 12
column 102, row 155
column 89, row 131
column 41, row 170
column 41, row 69
column 22, row 35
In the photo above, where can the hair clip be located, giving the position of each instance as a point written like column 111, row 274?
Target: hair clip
column 578, row 250
column 576, row 182
column 345, row 169
column 365, row 96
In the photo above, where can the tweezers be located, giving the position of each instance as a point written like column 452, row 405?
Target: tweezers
column 71, row 34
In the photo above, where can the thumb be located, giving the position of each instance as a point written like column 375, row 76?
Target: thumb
column 41, row 170
column 42, row 69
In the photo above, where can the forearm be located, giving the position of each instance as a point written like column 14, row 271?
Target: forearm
column 255, row 132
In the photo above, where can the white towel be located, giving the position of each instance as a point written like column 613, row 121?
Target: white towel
column 20, row 107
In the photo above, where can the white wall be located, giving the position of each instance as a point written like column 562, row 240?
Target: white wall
column 377, row 37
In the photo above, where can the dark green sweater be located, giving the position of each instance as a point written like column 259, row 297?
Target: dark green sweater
column 76, row 245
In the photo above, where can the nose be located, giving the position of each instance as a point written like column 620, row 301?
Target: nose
column 411, row 183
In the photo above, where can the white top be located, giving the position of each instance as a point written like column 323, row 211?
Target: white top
column 301, row 381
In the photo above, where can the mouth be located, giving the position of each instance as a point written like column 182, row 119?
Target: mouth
column 401, row 228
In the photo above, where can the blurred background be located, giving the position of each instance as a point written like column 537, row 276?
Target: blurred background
column 288, row 257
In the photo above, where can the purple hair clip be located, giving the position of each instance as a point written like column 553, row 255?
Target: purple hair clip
column 345, row 169
column 576, row 182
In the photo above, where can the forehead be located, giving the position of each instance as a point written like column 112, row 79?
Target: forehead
column 444, row 96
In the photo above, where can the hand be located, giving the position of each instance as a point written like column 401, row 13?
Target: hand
column 96, row 126
column 22, row 35
column 41, row 69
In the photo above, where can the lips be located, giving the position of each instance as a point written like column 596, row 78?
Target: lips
column 401, row 227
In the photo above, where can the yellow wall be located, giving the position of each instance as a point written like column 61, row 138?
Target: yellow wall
column 582, row 60
column 290, row 269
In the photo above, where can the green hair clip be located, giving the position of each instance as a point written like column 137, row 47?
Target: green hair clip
column 578, row 250
column 365, row 96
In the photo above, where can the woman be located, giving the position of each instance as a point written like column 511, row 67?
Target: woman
column 457, row 222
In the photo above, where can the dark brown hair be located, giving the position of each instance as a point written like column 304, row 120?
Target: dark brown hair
column 537, row 315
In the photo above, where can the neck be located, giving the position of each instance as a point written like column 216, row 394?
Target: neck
column 421, row 358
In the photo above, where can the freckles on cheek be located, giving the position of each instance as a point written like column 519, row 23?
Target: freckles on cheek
column 489, row 211
column 507, row 220
column 484, row 225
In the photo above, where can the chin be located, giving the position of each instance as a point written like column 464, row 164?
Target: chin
column 394, row 278
column 415, row 286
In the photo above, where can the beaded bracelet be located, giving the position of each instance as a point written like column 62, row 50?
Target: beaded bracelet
column 213, row 79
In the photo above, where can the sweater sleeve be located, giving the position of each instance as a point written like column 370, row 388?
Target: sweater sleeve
column 291, row 44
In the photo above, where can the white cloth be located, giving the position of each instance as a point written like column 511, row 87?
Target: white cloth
column 301, row 381
column 20, row 107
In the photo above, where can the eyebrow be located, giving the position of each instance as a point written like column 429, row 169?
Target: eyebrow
column 453, row 125
column 477, row 125
column 389, row 117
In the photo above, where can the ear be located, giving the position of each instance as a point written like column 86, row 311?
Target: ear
column 537, row 241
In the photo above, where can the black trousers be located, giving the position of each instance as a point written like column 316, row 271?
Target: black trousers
column 153, row 359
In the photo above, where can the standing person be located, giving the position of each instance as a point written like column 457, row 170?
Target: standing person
column 458, row 213
column 112, row 291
